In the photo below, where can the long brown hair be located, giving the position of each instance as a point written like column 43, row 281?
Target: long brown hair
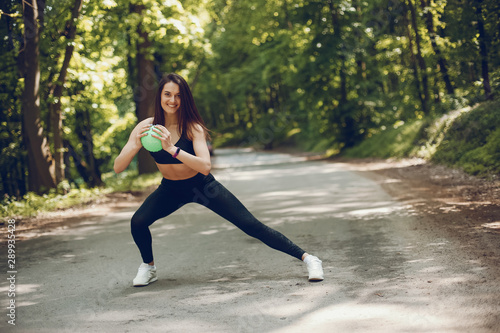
column 188, row 114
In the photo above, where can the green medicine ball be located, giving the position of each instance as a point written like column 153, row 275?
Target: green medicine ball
column 150, row 143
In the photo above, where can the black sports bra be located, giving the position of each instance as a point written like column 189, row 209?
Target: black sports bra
column 163, row 157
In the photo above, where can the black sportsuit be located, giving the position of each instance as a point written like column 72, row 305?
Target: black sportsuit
column 205, row 190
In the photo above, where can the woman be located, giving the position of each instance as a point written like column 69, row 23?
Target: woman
column 185, row 165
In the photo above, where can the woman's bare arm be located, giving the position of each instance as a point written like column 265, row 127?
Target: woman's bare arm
column 201, row 160
column 132, row 147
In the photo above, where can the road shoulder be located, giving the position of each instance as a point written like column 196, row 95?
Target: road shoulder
column 445, row 200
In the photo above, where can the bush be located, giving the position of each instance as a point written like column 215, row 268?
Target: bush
column 467, row 138
column 33, row 204
column 397, row 141
column 473, row 141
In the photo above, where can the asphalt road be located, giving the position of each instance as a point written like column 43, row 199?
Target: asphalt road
column 383, row 272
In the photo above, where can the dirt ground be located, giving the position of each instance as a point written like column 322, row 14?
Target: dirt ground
column 443, row 199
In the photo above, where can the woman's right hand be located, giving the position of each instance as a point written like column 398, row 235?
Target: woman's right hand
column 142, row 131
column 132, row 146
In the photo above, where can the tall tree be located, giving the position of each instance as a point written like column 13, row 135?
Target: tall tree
column 57, row 91
column 483, row 48
column 146, row 83
column 421, row 73
column 41, row 167
column 443, row 67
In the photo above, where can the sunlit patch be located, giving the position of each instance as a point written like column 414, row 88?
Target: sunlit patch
column 420, row 260
column 376, row 211
column 209, row 232
column 492, row 225
column 450, row 201
column 392, row 180
column 350, row 317
column 374, row 166
column 27, row 288
column 228, row 266
column 438, row 243
column 434, row 269
column 449, row 209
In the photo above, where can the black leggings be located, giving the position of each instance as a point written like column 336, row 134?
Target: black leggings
column 205, row 190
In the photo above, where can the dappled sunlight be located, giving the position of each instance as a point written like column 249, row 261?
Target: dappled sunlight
column 371, row 212
column 229, row 279
column 209, row 232
column 88, row 228
column 281, row 195
column 420, row 260
column 434, row 269
column 380, row 274
column 284, row 171
column 247, row 157
column 460, row 201
column 300, row 196
column 374, row 165
column 213, row 295
column 351, row 316
column 24, row 288
column 492, row 225
column 27, row 294
column 163, row 229
column 319, row 209
column 119, row 316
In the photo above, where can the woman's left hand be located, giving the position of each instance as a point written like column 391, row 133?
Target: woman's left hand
column 164, row 135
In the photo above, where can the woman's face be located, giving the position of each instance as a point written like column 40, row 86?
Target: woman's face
column 170, row 98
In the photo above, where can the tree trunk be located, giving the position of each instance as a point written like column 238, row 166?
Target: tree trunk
column 443, row 67
column 337, row 35
column 413, row 61
column 145, row 93
column 40, row 162
column 93, row 163
column 420, row 60
column 84, row 159
column 483, row 50
column 57, row 91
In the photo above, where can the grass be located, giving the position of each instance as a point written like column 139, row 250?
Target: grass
column 473, row 141
column 468, row 139
column 392, row 142
column 33, row 204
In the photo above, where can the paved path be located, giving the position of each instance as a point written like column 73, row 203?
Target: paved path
column 384, row 273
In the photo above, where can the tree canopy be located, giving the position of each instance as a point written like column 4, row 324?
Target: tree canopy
column 77, row 75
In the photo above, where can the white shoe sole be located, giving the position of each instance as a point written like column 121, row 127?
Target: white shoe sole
column 145, row 284
column 316, row 279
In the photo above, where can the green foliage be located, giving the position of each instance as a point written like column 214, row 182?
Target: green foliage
column 397, row 141
column 324, row 75
column 468, row 138
column 341, row 70
column 32, row 204
column 130, row 181
column 473, row 141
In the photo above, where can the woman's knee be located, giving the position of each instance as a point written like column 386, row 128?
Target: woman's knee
column 139, row 221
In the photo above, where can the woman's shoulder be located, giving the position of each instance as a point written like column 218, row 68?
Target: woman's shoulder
column 147, row 121
column 196, row 131
column 141, row 124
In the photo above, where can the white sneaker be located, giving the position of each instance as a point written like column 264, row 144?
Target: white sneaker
column 314, row 268
column 145, row 275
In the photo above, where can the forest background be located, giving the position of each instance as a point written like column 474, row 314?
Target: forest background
column 384, row 78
